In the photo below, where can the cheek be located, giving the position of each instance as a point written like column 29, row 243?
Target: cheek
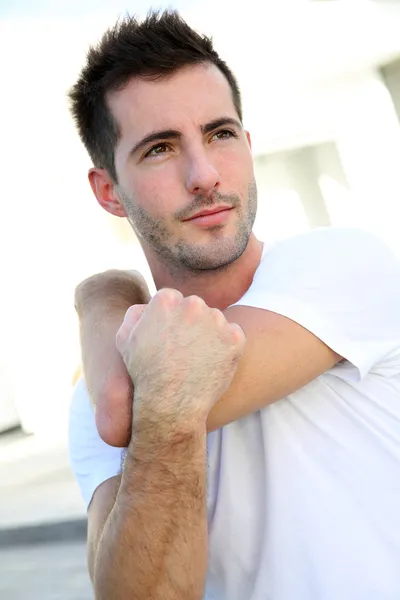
column 237, row 170
column 160, row 189
column 152, row 195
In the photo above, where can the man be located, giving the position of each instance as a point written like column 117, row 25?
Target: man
column 263, row 448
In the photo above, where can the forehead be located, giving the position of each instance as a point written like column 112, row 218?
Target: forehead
column 194, row 95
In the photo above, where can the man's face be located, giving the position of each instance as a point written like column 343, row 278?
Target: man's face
column 182, row 151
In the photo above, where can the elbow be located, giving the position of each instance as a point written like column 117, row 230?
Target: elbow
column 113, row 413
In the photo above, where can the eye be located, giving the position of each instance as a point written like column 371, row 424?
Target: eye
column 157, row 150
column 224, row 134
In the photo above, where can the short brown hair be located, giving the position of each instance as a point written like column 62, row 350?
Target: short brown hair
column 153, row 48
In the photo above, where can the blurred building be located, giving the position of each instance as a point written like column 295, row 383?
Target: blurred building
column 321, row 92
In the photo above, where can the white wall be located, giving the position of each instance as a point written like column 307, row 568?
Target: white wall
column 52, row 233
column 345, row 142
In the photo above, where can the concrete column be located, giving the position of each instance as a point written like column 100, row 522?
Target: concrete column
column 304, row 174
column 368, row 141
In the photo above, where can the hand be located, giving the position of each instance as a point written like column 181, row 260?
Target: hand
column 181, row 355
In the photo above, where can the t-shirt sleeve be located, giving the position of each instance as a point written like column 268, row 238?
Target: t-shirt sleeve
column 92, row 460
column 341, row 284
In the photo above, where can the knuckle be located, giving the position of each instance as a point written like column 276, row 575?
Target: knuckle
column 218, row 317
column 131, row 312
column 194, row 302
column 193, row 309
column 237, row 334
column 168, row 296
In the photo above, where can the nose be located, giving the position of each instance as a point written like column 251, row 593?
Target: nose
column 202, row 177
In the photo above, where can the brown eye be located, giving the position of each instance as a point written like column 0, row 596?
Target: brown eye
column 224, row 134
column 158, row 149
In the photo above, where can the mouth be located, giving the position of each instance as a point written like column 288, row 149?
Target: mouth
column 209, row 212
column 213, row 217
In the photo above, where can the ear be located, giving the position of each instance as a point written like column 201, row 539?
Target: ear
column 248, row 137
column 104, row 189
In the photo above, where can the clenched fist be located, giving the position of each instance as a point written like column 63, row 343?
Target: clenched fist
column 181, row 355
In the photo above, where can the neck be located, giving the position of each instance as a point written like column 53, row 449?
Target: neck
column 219, row 288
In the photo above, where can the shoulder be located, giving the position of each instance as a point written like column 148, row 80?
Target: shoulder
column 325, row 255
column 340, row 284
column 329, row 243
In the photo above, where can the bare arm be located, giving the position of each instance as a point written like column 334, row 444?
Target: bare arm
column 100, row 507
column 280, row 357
column 101, row 302
column 146, row 525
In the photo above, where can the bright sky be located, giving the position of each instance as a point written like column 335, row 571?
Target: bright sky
column 71, row 8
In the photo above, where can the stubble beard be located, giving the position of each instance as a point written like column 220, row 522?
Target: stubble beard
column 190, row 257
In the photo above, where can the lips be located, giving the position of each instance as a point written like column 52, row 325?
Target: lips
column 212, row 211
column 216, row 217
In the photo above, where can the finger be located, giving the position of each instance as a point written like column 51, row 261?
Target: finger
column 238, row 335
column 132, row 317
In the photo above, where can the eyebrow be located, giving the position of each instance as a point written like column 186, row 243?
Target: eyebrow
column 168, row 134
column 208, row 127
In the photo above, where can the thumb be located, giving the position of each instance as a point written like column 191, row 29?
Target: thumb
column 132, row 316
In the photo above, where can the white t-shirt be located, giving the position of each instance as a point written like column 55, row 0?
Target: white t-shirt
column 304, row 495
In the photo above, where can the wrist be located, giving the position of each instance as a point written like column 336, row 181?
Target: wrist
column 166, row 429
column 176, row 451
column 158, row 413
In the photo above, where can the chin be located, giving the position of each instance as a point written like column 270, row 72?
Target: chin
column 212, row 257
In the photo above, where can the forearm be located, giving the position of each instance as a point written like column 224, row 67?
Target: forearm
column 101, row 302
column 154, row 544
column 104, row 372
